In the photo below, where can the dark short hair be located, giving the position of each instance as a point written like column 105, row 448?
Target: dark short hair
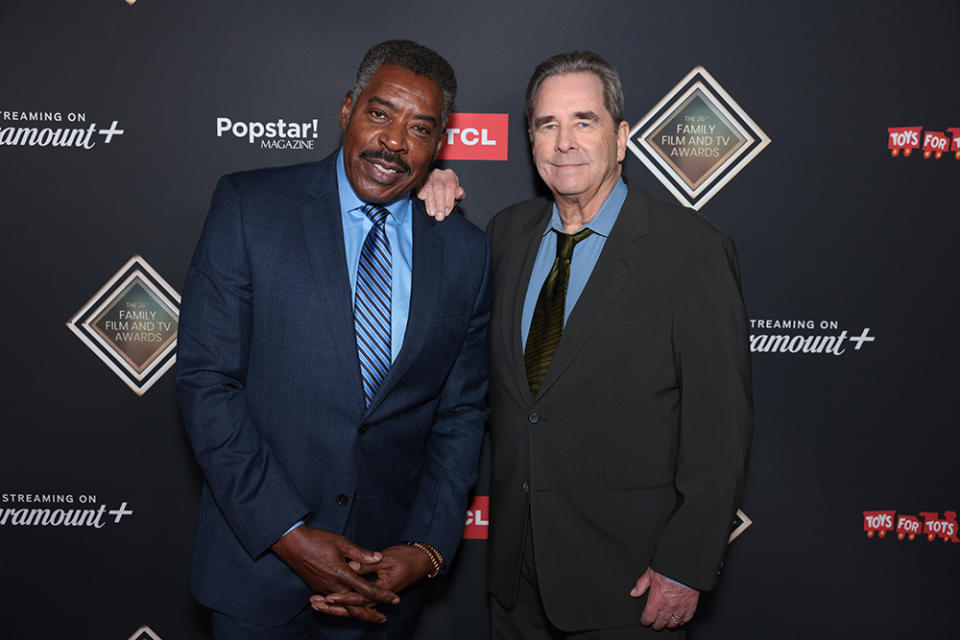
column 414, row 57
column 579, row 62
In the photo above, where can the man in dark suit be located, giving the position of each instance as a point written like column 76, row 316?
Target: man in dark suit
column 620, row 386
column 333, row 387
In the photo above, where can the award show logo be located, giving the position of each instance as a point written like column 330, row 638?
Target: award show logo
column 58, row 510
column 476, row 136
column 909, row 527
column 131, row 324
column 696, row 139
column 740, row 524
column 45, row 129
column 276, row 134
column 906, row 140
column 806, row 336
column 144, row 632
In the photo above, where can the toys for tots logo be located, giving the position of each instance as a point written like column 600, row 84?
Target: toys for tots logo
column 56, row 129
column 906, row 140
column 929, row 524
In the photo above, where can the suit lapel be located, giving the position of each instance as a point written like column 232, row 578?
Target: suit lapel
column 530, row 244
column 424, row 291
column 323, row 235
column 622, row 252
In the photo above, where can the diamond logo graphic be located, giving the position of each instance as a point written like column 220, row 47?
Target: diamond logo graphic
column 131, row 324
column 144, row 633
column 740, row 524
column 696, row 139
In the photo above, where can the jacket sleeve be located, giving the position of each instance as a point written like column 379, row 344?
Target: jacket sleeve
column 246, row 481
column 439, row 508
column 713, row 362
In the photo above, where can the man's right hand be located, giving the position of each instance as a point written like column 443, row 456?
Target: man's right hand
column 441, row 193
column 321, row 557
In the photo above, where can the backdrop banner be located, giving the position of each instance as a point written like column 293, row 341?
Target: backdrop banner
column 823, row 137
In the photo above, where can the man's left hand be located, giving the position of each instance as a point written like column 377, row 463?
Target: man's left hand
column 669, row 604
column 401, row 566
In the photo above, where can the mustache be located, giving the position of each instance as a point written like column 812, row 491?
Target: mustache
column 386, row 156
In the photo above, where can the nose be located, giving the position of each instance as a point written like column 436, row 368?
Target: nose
column 565, row 139
column 393, row 137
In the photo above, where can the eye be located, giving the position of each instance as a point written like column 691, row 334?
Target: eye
column 376, row 114
column 422, row 129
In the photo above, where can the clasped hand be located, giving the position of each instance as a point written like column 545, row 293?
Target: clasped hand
column 399, row 567
column 334, row 567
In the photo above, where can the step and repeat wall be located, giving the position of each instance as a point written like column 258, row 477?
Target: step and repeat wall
column 824, row 137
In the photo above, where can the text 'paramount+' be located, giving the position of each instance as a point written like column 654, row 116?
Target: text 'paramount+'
column 40, row 129
column 58, row 510
column 794, row 337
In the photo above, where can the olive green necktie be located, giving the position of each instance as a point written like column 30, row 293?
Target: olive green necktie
column 547, row 324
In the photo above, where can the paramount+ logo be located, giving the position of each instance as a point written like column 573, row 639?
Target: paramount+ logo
column 906, row 140
column 476, row 136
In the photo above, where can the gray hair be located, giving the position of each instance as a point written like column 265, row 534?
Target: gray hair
column 414, row 57
column 579, row 62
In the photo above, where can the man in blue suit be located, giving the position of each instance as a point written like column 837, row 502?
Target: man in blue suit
column 332, row 384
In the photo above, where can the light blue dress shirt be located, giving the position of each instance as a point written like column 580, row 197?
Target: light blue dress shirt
column 585, row 255
column 399, row 229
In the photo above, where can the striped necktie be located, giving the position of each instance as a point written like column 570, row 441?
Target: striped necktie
column 546, row 327
column 372, row 304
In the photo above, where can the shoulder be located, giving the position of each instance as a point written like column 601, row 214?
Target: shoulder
column 671, row 222
column 455, row 229
column 508, row 221
column 291, row 179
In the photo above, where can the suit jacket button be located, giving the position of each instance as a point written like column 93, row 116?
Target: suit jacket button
column 343, row 499
column 534, row 418
column 525, row 487
column 362, row 429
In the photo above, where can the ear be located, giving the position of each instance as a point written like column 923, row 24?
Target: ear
column 623, row 132
column 345, row 108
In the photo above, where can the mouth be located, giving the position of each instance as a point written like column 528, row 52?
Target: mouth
column 383, row 166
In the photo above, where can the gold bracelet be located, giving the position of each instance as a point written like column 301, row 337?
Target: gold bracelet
column 436, row 560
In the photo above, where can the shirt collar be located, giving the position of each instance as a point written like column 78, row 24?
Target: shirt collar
column 399, row 207
column 602, row 223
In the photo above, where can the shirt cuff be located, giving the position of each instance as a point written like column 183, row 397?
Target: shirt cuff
column 297, row 524
column 670, row 579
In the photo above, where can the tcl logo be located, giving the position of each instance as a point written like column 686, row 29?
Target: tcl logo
column 476, row 136
column 478, row 519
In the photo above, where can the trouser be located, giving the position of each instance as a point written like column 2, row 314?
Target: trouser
column 310, row 625
column 527, row 619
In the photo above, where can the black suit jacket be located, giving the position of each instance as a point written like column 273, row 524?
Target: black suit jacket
column 633, row 454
